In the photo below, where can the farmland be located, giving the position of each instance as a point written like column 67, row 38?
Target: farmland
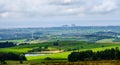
column 61, row 58
column 78, row 33
column 63, row 39
column 105, row 40
column 63, row 45
column 59, row 32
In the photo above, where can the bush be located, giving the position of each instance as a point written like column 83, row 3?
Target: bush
column 48, row 58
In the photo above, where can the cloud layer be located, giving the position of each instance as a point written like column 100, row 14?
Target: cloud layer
column 46, row 8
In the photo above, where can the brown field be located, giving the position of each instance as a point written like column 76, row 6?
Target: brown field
column 88, row 63
column 109, row 62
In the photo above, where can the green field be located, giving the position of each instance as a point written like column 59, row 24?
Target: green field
column 111, row 40
column 63, row 45
column 64, row 55
column 37, row 41
column 59, row 58
column 106, row 40
column 20, row 50
column 18, row 41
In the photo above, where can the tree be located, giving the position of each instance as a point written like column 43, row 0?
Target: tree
column 108, row 54
column 46, row 47
column 6, row 44
column 11, row 56
column 55, row 44
column 73, row 57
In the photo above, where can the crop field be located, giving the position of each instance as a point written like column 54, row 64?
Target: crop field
column 102, row 62
column 106, row 40
column 19, row 50
column 37, row 41
column 68, row 39
column 64, row 45
column 64, row 55
column 59, row 57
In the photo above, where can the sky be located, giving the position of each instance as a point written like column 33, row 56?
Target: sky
column 48, row 13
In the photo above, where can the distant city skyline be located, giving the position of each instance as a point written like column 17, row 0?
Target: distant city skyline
column 30, row 24
column 52, row 13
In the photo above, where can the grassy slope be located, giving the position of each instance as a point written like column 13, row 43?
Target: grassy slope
column 105, row 40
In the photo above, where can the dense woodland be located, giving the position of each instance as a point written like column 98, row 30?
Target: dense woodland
column 89, row 55
column 6, row 44
column 11, row 56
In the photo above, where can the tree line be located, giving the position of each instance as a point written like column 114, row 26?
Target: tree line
column 11, row 56
column 89, row 55
column 6, row 44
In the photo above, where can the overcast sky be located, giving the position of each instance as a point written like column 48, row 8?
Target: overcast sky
column 47, row 13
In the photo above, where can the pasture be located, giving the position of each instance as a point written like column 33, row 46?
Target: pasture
column 67, row 46
column 106, row 40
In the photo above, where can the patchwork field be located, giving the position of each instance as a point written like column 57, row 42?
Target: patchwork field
column 63, row 55
column 63, row 45
column 67, row 46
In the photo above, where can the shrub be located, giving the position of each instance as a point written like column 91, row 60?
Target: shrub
column 48, row 58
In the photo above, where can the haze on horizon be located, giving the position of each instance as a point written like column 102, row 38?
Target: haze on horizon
column 48, row 13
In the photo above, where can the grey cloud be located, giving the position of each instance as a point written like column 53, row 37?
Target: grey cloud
column 44, row 8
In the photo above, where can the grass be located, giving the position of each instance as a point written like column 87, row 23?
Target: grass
column 64, row 55
column 37, row 41
column 106, row 40
column 58, row 56
column 19, row 40
column 68, row 39
column 22, row 50
column 64, row 45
